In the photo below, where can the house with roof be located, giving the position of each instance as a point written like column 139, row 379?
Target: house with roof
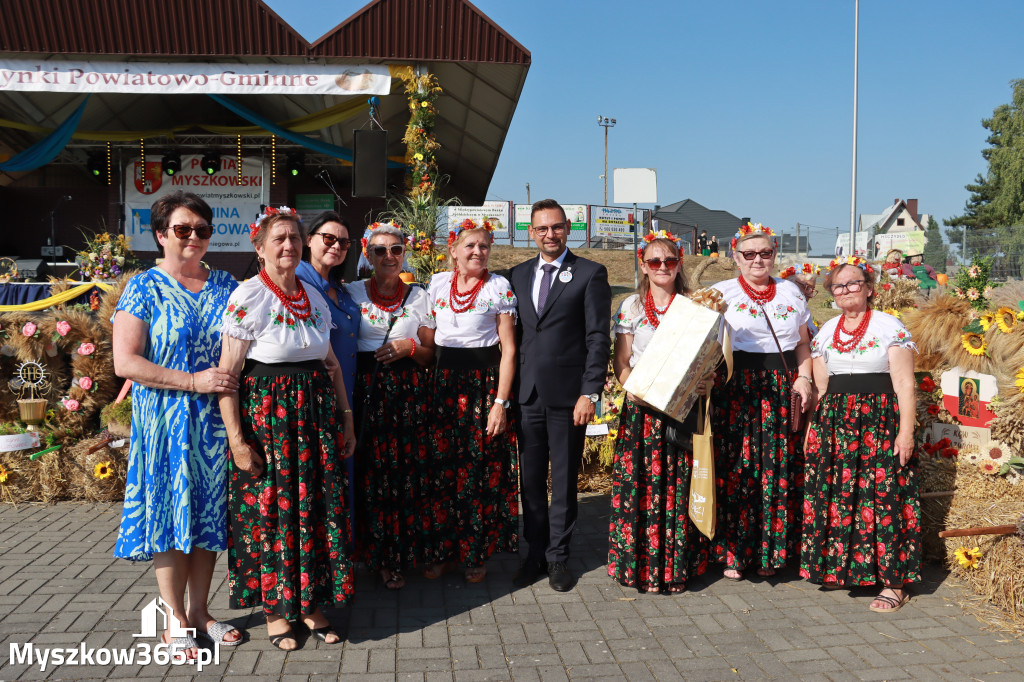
column 898, row 226
column 688, row 219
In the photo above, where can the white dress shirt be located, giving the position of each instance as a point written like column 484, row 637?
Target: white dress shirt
column 539, row 274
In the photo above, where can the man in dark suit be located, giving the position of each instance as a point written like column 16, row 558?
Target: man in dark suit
column 563, row 341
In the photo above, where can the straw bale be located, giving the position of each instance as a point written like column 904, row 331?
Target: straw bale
column 1008, row 294
column 83, row 483
column 936, row 326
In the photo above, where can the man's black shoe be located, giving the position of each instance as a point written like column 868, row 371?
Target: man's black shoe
column 559, row 577
column 528, row 573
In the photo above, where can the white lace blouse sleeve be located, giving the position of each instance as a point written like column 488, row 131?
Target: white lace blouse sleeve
column 240, row 320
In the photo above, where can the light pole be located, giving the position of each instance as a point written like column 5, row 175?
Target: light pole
column 528, row 193
column 605, row 123
column 853, row 174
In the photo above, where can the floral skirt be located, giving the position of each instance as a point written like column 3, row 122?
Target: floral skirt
column 652, row 544
column 474, row 479
column 290, row 525
column 391, row 509
column 861, row 508
column 758, row 470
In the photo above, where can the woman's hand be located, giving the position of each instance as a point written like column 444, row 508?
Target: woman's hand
column 215, row 380
column 803, row 386
column 348, row 435
column 637, row 401
column 702, row 386
column 246, row 459
column 496, row 421
column 393, row 351
column 904, row 447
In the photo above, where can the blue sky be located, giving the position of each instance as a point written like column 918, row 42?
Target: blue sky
column 746, row 105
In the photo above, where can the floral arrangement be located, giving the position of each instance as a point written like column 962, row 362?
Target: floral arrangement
column 424, row 256
column 254, row 228
column 751, row 228
column 651, row 236
column 470, row 224
column 420, row 144
column 105, row 257
column 850, row 260
column 972, row 283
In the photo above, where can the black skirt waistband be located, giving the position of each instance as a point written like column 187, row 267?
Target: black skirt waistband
column 366, row 362
column 467, row 358
column 255, row 368
column 880, row 382
column 743, row 360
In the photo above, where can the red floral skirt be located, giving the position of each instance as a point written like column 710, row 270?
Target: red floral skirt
column 758, row 470
column 391, row 509
column 290, row 525
column 861, row 509
column 474, row 485
column 652, row 545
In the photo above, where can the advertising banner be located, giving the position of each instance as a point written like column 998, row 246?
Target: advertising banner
column 498, row 212
column 614, row 222
column 862, row 242
column 575, row 213
column 908, row 242
column 178, row 78
column 235, row 202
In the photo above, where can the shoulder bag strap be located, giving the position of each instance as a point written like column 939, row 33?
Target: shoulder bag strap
column 777, row 344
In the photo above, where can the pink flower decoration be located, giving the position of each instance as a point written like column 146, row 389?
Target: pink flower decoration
column 71, row 405
column 86, row 349
column 63, row 327
column 85, row 383
column 29, row 329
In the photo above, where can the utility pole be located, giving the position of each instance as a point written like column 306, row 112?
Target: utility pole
column 853, row 176
column 528, row 194
column 606, row 123
column 797, row 251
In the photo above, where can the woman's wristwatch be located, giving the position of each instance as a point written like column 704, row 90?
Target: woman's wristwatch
column 504, row 403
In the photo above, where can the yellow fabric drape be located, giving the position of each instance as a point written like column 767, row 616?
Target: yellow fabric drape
column 43, row 304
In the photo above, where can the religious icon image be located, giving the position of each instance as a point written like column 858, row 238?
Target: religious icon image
column 968, row 398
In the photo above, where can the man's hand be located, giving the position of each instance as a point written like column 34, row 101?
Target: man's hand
column 583, row 412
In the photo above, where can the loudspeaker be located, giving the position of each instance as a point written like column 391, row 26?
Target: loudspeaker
column 369, row 163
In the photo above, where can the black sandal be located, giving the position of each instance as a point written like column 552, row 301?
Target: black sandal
column 276, row 640
column 321, row 634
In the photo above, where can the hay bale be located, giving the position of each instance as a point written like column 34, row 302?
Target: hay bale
column 985, row 500
column 85, row 483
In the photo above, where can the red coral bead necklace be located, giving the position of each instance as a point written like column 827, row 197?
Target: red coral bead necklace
column 758, row 297
column 387, row 304
column 461, row 301
column 654, row 313
column 855, row 336
column 297, row 304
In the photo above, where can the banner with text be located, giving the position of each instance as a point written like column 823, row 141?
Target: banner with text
column 178, row 78
column 235, row 202
column 575, row 213
column 910, row 243
column 498, row 212
column 614, row 222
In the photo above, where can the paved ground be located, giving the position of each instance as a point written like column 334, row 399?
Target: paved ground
column 60, row 587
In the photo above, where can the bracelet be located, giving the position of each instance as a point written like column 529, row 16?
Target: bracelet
column 346, row 411
column 413, row 350
column 804, row 376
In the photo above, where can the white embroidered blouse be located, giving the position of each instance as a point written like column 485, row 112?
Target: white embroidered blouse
column 255, row 314
column 631, row 319
column 373, row 322
column 476, row 328
column 871, row 355
column 750, row 331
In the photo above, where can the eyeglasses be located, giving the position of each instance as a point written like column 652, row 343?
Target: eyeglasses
column 656, row 263
column 852, row 287
column 557, row 228
column 202, row 231
column 380, row 251
column 330, row 240
column 765, row 254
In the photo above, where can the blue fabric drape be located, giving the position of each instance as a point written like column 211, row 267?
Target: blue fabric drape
column 47, row 149
column 298, row 138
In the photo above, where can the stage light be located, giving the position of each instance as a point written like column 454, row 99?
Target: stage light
column 296, row 164
column 171, row 163
column 96, row 164
column 210, row 162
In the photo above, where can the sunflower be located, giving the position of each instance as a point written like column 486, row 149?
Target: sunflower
column 1006, row 318
column 102, row 470
column 987, row 320
column 4, row 473
column 973, row 343
column 612, row 433
column 892, row 311
column 1020, row 379
column 968, row 558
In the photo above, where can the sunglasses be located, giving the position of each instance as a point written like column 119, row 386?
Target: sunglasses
column 656, row 263
column 185, row 231
column 765, row 254
column 380, row 251
column 330, row 240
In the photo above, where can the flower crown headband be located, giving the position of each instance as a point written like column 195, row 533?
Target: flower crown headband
column 651, row 236
column 470, row 224
column 805, row 269
column 751, row 228
column 851, row 260
column 254, row 228
column 368, row 235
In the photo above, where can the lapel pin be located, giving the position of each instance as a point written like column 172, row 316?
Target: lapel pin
column 565, row 276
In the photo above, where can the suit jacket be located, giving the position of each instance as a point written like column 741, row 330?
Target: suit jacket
column 563, row 353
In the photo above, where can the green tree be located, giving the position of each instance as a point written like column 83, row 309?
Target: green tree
column 935, row 251
column 997, row 198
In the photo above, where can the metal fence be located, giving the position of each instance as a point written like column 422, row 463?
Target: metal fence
column 1005, row 246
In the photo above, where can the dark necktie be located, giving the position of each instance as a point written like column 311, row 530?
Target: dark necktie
column 545, row 286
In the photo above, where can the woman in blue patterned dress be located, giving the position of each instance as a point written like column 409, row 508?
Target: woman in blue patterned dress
column 167, row 341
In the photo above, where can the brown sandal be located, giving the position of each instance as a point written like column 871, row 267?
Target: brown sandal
column 393, row 580
column 895, row 603
column 435, row 571
column 476, row 574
